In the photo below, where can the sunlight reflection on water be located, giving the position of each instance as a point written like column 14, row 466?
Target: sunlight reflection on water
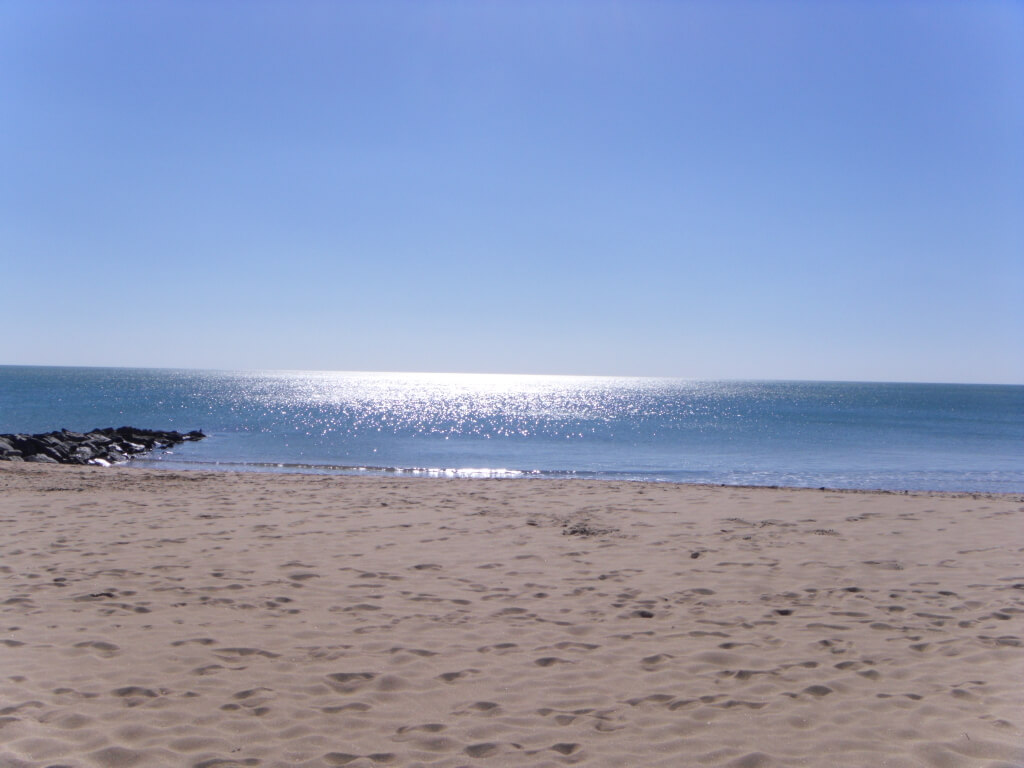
column 857, row 435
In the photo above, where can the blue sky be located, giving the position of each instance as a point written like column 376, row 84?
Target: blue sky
column 810, row 190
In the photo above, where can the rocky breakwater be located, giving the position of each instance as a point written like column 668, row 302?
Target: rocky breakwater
column 101, row 447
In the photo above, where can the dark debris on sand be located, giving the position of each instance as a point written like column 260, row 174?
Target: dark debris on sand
column 585, row 529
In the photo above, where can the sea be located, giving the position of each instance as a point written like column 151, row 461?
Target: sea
column 843, row 435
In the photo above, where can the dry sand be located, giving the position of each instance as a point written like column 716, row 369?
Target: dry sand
column 157, row 618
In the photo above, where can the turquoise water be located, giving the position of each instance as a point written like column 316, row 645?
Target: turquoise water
column 839, row 435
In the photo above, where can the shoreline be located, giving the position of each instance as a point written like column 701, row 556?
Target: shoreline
column 157, row 616
column 523, row 476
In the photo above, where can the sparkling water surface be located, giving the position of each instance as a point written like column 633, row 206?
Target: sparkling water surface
column 838, row 435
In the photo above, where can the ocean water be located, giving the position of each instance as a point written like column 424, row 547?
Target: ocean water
column 811, row 434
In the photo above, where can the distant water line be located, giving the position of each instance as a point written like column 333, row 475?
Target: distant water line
column 811, row 434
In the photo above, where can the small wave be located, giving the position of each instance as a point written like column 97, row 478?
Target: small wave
column 964, row 481
column 347, row 469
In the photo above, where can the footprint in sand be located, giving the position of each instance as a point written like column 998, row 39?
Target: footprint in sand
column 499, row 647
column 349, row 682
column 195, row 641
column 565, row 748
column 232, row 653
column 103, row 649
column 344, row 758
column 482, row 750
column 355, row 706
column 549, row 661
column 413, row 651
column 426, row 727
column 488, row 708
column 573, row 646
column 651, row 663
column 451, row 677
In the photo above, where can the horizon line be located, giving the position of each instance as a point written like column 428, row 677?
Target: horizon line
column 780, row 380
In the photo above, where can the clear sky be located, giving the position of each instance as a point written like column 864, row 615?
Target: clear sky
column 727, row 189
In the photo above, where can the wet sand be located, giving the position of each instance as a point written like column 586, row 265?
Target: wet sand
column 157, row 618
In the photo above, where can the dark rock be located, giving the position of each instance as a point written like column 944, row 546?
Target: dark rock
column 54, row 447
column 100, row 446
column 57, row 453
column 41, row 458
column 24, row 443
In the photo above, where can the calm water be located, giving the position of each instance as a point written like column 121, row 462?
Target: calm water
column 841, row 435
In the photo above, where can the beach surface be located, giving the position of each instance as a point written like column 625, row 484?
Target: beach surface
column 159, row 618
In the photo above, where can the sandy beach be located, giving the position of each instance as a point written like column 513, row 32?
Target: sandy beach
column 157, row 618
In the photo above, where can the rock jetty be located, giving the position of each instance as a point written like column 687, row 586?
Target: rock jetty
column 101, row 447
